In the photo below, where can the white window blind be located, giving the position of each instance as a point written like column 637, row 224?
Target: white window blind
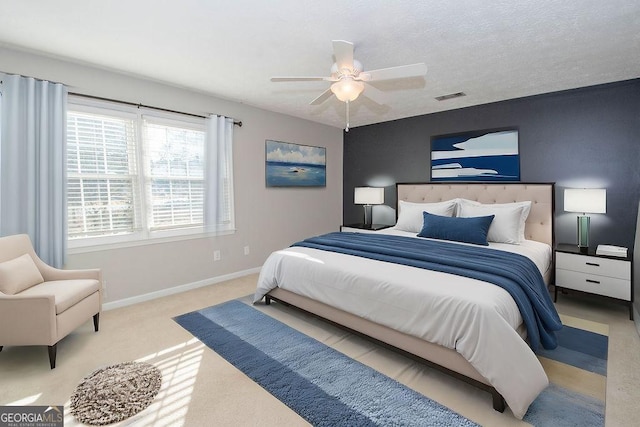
column 102, row 176
column 174, row 171
column 136, row 173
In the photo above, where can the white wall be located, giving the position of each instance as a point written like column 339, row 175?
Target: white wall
column 266, row 218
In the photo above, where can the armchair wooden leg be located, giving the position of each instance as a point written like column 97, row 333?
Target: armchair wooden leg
column 1, row 347
column 96, row 321
column 52, row 355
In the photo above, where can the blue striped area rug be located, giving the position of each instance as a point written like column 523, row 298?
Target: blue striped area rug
column 581, row 349
column 322, row 385
column 577, row 371
column 327, row 388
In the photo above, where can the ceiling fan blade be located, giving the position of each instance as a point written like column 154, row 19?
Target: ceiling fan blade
column 401, row 72
column 301, row 79
column 323, row 97
column 376, row 95
column 343, row 52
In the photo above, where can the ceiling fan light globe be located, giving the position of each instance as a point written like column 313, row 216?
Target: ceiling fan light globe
column 347, row 89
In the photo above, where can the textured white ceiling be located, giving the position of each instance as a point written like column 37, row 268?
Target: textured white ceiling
column 490, row 49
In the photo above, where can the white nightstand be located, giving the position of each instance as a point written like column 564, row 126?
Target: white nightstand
column 594, row 274
column 358, row 228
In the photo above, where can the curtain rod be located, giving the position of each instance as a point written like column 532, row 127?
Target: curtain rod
column 235, row 122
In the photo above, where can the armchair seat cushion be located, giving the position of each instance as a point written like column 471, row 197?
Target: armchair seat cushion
column 67, row 293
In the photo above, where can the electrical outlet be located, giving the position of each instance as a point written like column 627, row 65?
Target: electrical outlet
column 216, row 255
column 246, row 250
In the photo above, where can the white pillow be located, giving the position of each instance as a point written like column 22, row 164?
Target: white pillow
column 19, row 274
column 410, row 214
column 508, row 224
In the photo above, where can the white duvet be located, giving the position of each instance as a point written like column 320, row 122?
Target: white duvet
column 477, row 319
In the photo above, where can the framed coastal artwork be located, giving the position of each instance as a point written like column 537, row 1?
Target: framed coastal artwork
column 295, row 165
column 484, row 155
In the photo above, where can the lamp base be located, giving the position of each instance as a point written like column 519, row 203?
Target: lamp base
column 368, row 215
column 583, row 233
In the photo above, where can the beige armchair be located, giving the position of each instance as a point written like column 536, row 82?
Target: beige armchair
column 39, row 304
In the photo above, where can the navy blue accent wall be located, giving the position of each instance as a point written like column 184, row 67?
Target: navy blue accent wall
column 587, row 137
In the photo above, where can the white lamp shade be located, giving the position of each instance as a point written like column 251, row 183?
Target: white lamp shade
column 347, row 89
column 368, row 196
column 585, row 200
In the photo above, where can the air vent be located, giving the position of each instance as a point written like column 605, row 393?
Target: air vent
column 450, row 96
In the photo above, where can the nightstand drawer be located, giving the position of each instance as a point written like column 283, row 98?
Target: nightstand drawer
column 601, row 285
column 619, row 269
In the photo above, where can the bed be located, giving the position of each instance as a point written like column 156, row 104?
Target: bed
column 464, row 326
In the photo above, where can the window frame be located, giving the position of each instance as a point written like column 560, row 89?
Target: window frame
column 144, row 235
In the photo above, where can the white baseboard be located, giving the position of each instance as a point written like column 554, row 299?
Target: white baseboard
column 176, row 289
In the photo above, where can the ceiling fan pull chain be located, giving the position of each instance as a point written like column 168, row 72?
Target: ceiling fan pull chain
column 347, row 128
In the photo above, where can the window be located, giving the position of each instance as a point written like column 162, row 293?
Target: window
column 174, row 165
column 135, row 174
column 101, row 175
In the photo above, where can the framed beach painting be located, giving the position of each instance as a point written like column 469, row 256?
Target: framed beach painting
column 484, row 155
column 295, row 165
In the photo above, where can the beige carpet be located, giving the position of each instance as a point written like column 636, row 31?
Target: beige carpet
column 200, row 388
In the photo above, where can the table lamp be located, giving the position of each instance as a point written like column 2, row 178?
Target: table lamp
column 585, row 200
column 368, row 196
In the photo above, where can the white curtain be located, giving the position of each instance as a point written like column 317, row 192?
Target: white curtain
column 218, row 175
column 33, row 164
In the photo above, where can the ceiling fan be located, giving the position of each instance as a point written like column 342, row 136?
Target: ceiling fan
column 350, row 80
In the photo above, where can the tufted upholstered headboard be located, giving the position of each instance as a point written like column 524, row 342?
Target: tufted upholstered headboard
column 539, row 224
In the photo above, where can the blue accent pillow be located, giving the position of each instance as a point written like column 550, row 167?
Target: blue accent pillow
column 468, row 230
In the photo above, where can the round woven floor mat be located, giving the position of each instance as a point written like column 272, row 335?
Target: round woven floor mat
column 115, row 393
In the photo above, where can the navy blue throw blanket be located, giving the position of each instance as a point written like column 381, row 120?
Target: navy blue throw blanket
column 515, row 273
